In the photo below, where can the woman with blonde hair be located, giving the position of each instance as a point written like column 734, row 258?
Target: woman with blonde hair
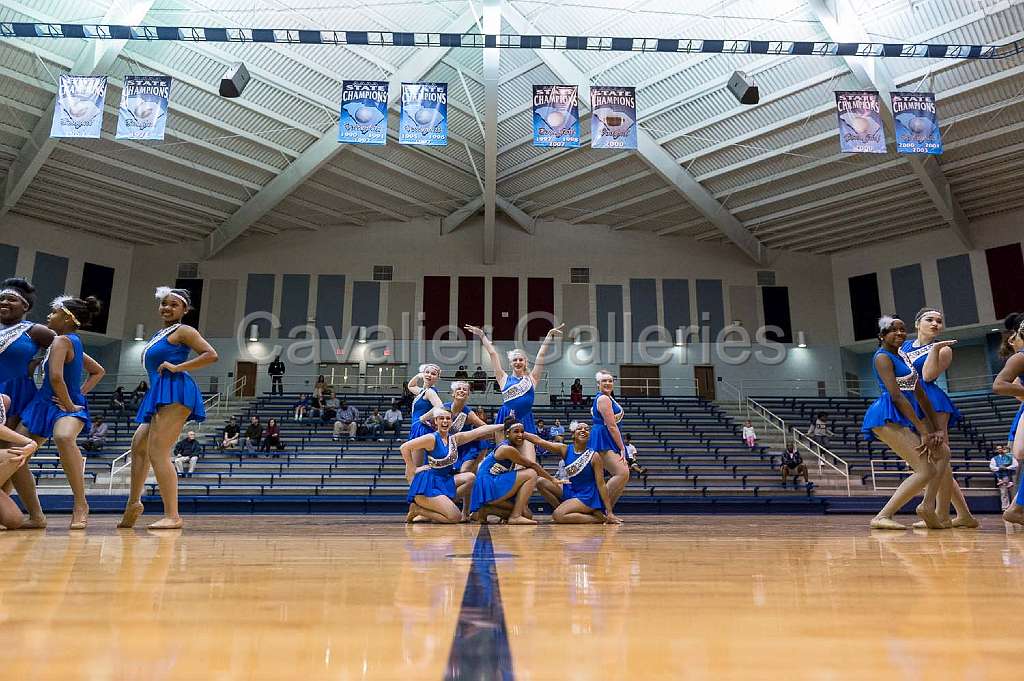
column 605, row 438
column 425, row 399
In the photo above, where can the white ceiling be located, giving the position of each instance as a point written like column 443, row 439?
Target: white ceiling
column 774, row 166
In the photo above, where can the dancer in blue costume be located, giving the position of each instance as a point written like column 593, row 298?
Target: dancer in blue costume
column 902, row 417
column 20, row 342
column 605, row 438
column 430, row 469
column 425, row 401
column 1008, row 382
column 501, row 489
column 583, row 497
column 930, row 358
column 13, row 456
column 173, row 398
column 60, row 410
column 518, row 388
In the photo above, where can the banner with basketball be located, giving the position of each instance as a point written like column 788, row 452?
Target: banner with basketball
column 860, row 122
column 364, row 112
column 78, row 111
column 556, row 116
column 424, row 119
column 143, row 111
column 917, row 128
column 612, row 117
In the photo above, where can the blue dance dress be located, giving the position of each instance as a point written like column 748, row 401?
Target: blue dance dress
column 470, row 450
column 421, row 406
column 41, row 414
column 582, row 484
column 601, row 439
column 439, row 479
column 16, row 352
column 517, row 398
column 916, row 357
column 1016, row 422
column 495, row 478
column 883, row 410
column 166, row 387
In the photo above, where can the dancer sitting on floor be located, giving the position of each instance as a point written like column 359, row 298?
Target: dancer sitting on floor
column 11, row 459
column 583, row 496
column 501, row 489
column 1008, row 383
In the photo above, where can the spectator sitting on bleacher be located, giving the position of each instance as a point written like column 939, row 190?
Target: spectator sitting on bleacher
column 231, row 433
column 117, row 400
column 576, row 393
column 316, row 406
column 749, row 436
column 1003, row 466
column 461, row 374
column 819, row 430
column 138, row 394
column 301, row 407
column 253, row 434
column 345, row 421
column 272, row 436
column 479, row 380
column 320, row 386
column 557, row 432
column 373, row 426
column 392, row 418
column 97, row 435
column 187, row 451
column 331, row 405
column 544, row 433
column 792, row 464
column 631, row 459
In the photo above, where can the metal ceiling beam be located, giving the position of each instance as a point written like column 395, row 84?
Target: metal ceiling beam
column 454, row 220
column 843, row 23
column 631, row 201
column 490, row 24
column 518, row 215
column 96, row 57
column 323, row 150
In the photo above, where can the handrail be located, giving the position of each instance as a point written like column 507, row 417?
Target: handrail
column 770, row 419
column 908, row 471
column 115, row 469
column 802, row 439
column 730, row 388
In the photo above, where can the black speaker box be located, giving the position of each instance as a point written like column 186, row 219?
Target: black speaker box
column 234, row 80
column 743, row 88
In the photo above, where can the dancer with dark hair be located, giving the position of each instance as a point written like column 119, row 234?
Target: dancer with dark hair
column 172, row 399
column 1008, row 382
column 902, row 417
column 931, row 358
column 59, row 409
column 501, row 488
column 583, row 498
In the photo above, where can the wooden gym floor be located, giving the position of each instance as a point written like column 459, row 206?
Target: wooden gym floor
column 352, row 597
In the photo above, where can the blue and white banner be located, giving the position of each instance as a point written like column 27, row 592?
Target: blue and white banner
column 860, row 122
column 424, row 114
column 364, row 112
column 79, row 108
column 917, row 128
column 613, row 117
column 556, row 116
column 143, row 111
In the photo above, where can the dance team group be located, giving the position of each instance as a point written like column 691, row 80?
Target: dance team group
column 458, row 467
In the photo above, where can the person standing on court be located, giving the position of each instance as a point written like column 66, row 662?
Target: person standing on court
column 276, row 371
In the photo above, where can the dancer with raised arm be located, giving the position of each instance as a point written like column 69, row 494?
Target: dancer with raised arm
column 500, row 488
column 425, row 400
column 1008, row 382
column 173, row 398
column 432, row 482
column 605, row 438
column 583, row 498
column 902, row 417
column 13, row 456
column 518, row 389
column 59, row 409
column 931, row 358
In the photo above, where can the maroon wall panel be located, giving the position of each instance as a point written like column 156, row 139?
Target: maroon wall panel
column 471, row 301
column 540, row 299
column 504, row 307
column 1006, row 275
column 436, row 299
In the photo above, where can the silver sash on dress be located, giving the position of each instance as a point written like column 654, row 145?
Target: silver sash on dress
column 915, row 353
column 580, row 464
column 451, row 458
column 3, row 413
column 13, row 333
column 458, row 423
column 909, row 381
column 518, row 389
column 159, row 336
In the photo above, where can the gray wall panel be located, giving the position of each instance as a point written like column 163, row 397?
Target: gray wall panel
column 907, row 291
column 675, row 301
column 402, row 308
column 221, row 303
column 710, row 307
column 956, row 284
column 575, row 306
column 8, row 261
column 609, row 312
column 294, row 302
column 259, row 297
column 330, row 304
column 365, row 304
column 49, row 276
column 643, row 305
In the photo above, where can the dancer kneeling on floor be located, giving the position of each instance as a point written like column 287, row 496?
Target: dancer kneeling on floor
column 432, row 490
column 15, row 453
column 583, row 497
column 500, row 488
column 903, row 418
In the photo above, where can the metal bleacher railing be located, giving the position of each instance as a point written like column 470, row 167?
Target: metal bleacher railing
column 880, row 468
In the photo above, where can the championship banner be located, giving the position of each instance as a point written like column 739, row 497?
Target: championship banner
column 424, row 117
column 79, row 108
column 860, row 122
column 556, row 116
column 143, row 111
column 613, row 117
column 364, row 112
column 917, row 130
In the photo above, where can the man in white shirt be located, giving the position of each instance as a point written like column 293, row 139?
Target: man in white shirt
column 1003, row 466
column 393, row 419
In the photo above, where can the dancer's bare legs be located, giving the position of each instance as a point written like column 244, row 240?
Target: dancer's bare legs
column 618, row 470
column 25, row 484
column 164, row 430
column 464, row 490
column 905, row 442
column 139, row 473
column 551, row 491
column 575, row 512
column 438, row 509
column 65, row 436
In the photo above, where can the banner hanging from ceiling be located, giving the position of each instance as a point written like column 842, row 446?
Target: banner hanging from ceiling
column 613, row 117
column 143, row 111
column 424, row 119
column 917, row 127
column 556, row 116
column 860, row 122
column 78, row 111
column 364, row 112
